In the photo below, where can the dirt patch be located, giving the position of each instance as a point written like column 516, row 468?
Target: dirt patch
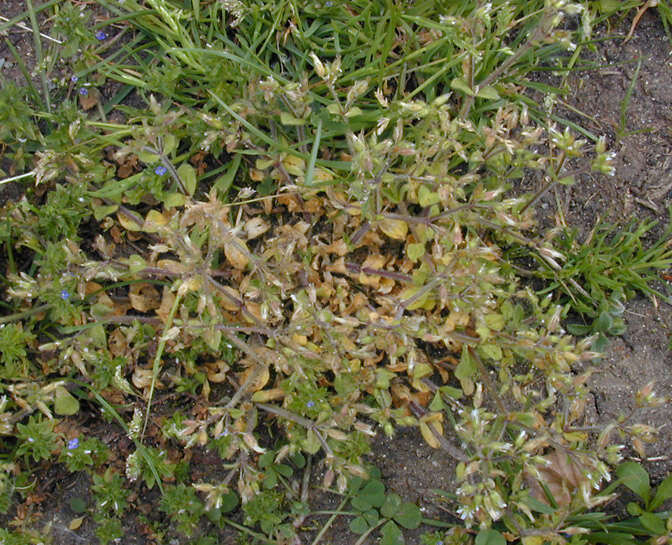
column 638, row 129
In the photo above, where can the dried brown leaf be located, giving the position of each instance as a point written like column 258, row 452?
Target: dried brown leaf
column 144, row 297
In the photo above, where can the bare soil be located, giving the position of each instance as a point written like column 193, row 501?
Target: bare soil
column 641, row 188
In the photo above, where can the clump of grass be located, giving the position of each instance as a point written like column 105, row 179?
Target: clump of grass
column 296, row 239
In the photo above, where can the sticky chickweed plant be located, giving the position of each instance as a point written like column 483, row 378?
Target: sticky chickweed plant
column 259, row 234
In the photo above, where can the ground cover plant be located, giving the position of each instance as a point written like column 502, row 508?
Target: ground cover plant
column 259, row 233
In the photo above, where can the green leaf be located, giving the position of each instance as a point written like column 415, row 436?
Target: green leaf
column 312, row 443
column 225, row 181
column 612, row 538
column 663, row 493
column 427, row 197
column 635, row 477
column 187, row 174
column 634, row 509
column 373, row 493
column 415, row 251
column 391, row 505
column 229, row 502
column 100, row 212
column 358, row 525
column 460, row 85
column 409, row 515
column 390, row 534
column 77, row 504
column 147, row 157
column 360, row 504
column 173, row 200
column 491, row 351
column 284, row 470
column 437, row 403
column 653, row 523
column 466, row 369
column 495, row 321
column 288, row 119
column 488, row 92
column 567, row 180
column 608, row 6
column 169, row 144
column 64, row 403
column 489, row 536
column 299, row 460
column 353, row 112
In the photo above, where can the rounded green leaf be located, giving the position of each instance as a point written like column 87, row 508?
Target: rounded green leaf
column 64, row 403
column 229, row 502
column 391, row 505
column 358, row 525
column 390, row 534
column 373, row 493
column 415, row 250
column 409, row 515
column 490, row 537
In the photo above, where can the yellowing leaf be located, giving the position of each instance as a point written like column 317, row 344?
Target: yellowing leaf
column 230, row 299
column 128, row 223
column 251, row 442
column 154, row 221
column 235, row 253
column 495, row 321
column 395, row 229
column 256, row 175
column 294, row 165
column 172, row 200
column 425, row 301
column 144, row 297
column 264, row 396
column 256, row 375
column 427, row 197
column 533, row 540
column 375, row 261
column 65, row 404
column 173, row 266
column 322, row 175
column 415, row 251
column 427, row 434
column 76, row 523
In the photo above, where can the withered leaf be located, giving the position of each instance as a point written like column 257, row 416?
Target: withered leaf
column 144, row 297
column 236, row 253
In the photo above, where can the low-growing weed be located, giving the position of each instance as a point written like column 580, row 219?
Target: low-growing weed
column 294, row 233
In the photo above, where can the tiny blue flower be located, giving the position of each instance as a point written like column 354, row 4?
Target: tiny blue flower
column 310, row 404
column 100, row 35
column 83, row 91
column 160, row 170
column 73, row 443
column 65, row 295
column 329, row 4
column 74, row 78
